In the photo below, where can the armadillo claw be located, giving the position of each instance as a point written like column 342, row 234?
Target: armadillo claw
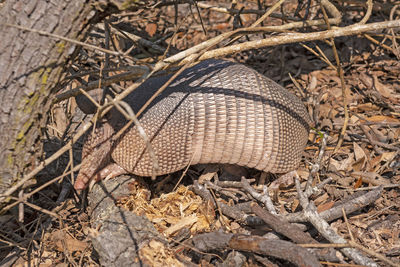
column 110, row 171
column 81, row 182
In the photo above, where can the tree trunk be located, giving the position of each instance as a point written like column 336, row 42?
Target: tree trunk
column 31, row 65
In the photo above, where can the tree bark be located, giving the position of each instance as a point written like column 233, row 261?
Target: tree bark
column 31, row 65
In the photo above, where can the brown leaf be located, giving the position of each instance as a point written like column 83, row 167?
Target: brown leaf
column 155, row 253
column 358, row 151
column 384, row 90
column 321, row 199
column 358, row 183
column 325, row 206
column 342, row 165
column 208, row 173
column 62, row 240
column 358, row 165
column 151, row 29
column 382, row 119
column 283, row 181
column 185, row 222
column 375, row 161
column 366, row 80
column 364, row 107
column 326, row 123
column 222, row 26
column 360, row 156
column 295, row 204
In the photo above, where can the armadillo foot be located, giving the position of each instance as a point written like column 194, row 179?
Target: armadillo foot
column 110, row 171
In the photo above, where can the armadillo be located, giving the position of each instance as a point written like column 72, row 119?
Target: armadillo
column 214, row 112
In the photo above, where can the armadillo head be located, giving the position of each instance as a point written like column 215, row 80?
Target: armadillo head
column 85, row 104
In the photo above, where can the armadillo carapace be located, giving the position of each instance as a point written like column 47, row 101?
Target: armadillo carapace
column 214, row 112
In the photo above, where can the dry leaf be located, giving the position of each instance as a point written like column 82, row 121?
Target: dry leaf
column 325, row 206
column 342, row 165
column 384, row 90
column 151, row 29
column 186, row 222
column 360, row 156
column 382, row 119
column 222, row 26
column 365, row 107
column 366, row 80
column 283, row 181
column 358, row 183
column 295, row 204
column 206, row 177
column 370, row 177
column 360, row 224
column 358, row 151
column 321, row 199
column 157, row 254
column 63, row 241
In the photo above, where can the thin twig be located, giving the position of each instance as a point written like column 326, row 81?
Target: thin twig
column 321, row 56
column 285, row 39
column 261, row 19
column 137, row 39
column 369, row 37
column 310, row 212
column 28, row 195
column 309, row 190
column 55, row 36
column 46, row 162
column 339, row 71
column 263, row 198
column 368, row 13
column 373, row 253
column 136, row 72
